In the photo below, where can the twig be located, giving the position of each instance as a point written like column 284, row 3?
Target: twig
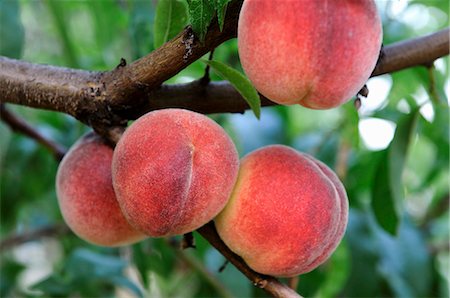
column 413, row 52
column 443, row 246
column 50, row 231
column 269, row 284
column 436, row 210
column 432, row 88
column 342, row 158
column 19, row 125
column 188, row 241
column 293, row 282
column 206, row 78
column 224, row 265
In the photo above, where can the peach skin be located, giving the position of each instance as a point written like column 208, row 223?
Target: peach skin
column 173, row 171
column 317, row 54
column 287, row 213
column 86, row 195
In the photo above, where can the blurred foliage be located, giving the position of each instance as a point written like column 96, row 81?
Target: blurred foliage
column 406, row 173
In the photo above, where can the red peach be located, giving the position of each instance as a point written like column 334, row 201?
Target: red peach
column 314, row 53
column 173, row 171
column 287, row 213
column 86, row 195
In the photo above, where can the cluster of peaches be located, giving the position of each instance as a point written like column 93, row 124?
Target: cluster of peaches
column 173, row 170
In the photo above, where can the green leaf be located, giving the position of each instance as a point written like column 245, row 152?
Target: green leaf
column 398, row 150
column 201, row 13
column 387, row 188
column 171, row 17
column 221, row 8
column 383, row 202
column 350, row 132
column 239, row 82
column 11, row 29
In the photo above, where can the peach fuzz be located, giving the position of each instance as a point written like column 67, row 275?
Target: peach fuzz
column 86, row 195
column 287, row 214
column 173, row 171
column 317, row 54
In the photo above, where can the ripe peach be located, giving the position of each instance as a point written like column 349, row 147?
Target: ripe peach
column 86, row 195
column 173, row 171
column 314, row 53
column 287, row 213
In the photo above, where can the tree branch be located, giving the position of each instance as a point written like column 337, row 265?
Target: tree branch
column 269, row 284
column 103, row 99
column 49, row 231
column 413, row 52
column 19, row 125
column 110, row 98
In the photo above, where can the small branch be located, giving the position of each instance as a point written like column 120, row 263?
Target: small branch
column 342, row 158
column 50, row 231
column 293, row 282
column 432, row 88
column 19, row 125
column 188, row 241
column 224, row 265
column 269, row 284
column 206, row 78
column 436, row 210
column 443, row 246
column 413, row 52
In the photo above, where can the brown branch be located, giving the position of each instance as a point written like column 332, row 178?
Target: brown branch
column 418, row 51
column 103, row 99
column 152, row 70
column 269, row 284
column 293, row 282
column 19, row 125
column 110, row 98
column 49, row 231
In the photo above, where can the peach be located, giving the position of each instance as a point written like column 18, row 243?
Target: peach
column 314, row 53
column 173, row 171
column 86, row 195
column 287, row 213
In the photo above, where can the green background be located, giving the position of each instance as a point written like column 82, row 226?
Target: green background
column 396, row 149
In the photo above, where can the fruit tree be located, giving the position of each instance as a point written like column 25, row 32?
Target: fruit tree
column 224, row 148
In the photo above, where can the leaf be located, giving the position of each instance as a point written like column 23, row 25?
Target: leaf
column 171, row 17
column 221, row 8
column 398, row 150
column 240, row 83
column 201, row 13
column 350, row 131
column 11, row 29
column 387, row 188
column 383, row 202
